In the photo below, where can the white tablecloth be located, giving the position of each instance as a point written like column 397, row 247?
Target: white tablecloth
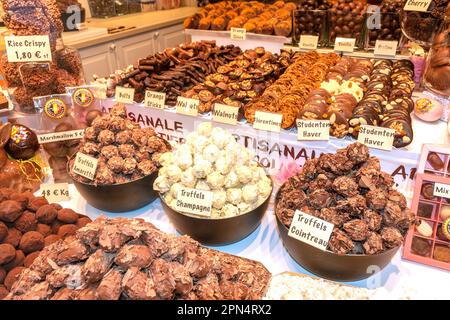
column 399, row 279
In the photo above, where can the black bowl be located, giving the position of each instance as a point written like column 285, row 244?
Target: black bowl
column 118, row 197
column 216, row 232
column 332, row 266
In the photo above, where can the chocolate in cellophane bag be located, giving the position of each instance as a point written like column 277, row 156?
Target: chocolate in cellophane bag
column 87, row 102
column 60, row 132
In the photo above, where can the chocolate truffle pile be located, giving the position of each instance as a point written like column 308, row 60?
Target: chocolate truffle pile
column 178, row 69
column 254, row 16
column 310, row 18
column 240, row 81
column 349, row 190
column 131, row 259
column 437, row 74
column 27, row 224
column 287, row 95
column 125, row 151
column 387, row 101
column 40, row 17
column 390, row 22
column 346, row 19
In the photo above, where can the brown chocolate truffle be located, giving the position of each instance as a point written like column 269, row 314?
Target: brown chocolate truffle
column 31, row 241
column 46, row 214
column 16, row 262
column 26, row 222
column 13, row 237
column 3, row 292
column 3, row 231
column 82, row 221
column 67, row 216
column 36, row 203
column 29, row 259
column 66, row 230
column 12, row 277
column 51, row 239
column 10, row 210
column 7, row 253
column 43, row 229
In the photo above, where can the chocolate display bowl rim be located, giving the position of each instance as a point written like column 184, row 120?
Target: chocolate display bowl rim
column 327, row 250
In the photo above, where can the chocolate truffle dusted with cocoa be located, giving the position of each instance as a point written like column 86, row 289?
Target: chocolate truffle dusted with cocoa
column 125, row 151
column 368, row 214
column 131, row 259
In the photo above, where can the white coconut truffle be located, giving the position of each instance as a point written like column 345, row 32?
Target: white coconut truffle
column 174, row 189
column 224, row 164
column 202, row 168
column 188, row 179
column 202, row 185
column 231, row 180
column 244, row 156
column 230, row 210
column 205, row 129
column 211, row 153
column 183, row 157
column 161, row 184
column 234, row 195
column 173, row 173
column 244, row 207
column 196, row 142
column 258, row 174
column 220, row 137
column 219, row 199
column 166, row 159
column 245, row 174
column 215, row 180
column 250, row 193
column 265, row 188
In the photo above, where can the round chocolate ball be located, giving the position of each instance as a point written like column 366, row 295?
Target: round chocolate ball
column 23, row 142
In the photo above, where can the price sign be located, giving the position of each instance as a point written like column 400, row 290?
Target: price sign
column 344, row 44
column 417, row 5
column 187, row 106
column 194, row 201
column 441, row 190
column 376, row 137
column 28, row 48
column 385, row 48
column 156, row 100
column 308, row 42
column 55, row 192
column 124, row 95
column 225, row 114
column 60, row 136
column 311, row 230
column 238, row 33
column 313, row 130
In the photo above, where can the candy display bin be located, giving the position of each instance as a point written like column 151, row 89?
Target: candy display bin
column 102, row 8
column 311, row 23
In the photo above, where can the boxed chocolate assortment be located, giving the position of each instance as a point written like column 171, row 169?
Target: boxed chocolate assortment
column 254, row 16
column 112, row 259
column 429, row 242
column 27, row 225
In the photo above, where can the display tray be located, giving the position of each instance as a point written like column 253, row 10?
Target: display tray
column 271, row 43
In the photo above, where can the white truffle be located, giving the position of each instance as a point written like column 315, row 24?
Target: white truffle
column 244, row 174
column 183, row 157
column 265, row 188
column 231, row 180
column 174, row 189
column 230, row 210
column 173, row 173
column 224, row 163
column 215, row 180
column 188, row 179
column 196, row 142
column 211, row 153
column 161, row 184
column 166, row 159
column 234, row 195
column 244, row 207
column 202, row 168
column 220, row 137
column 219, row 199
column 202, row 185
column 168, row 198
column 244, row 156
column 205, row 129
column 258, row 174
column 250, row 193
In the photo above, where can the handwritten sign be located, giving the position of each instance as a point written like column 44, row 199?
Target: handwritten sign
column 194, row 201
column 60, row 136
column 268, row 121
column 417, row 5
column 55, row 192
column 225, row 114
column 313, row 130
column 441, row 190
column 85, row 166
column 125, row 95
column 308, row 42
column 187, row 106
column 28, row 48
column 376, row 137
column 385, row 48
column 156, row 100
column 344, row 44
column 311, row 230
column 238, row 33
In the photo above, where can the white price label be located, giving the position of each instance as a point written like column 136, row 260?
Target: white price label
column 60, row 136
column 417, row 5
column 155, row 100
column 28, row 48
column 187, row 106
column 344, row 44
column 225, row 114
column 308, row 42
column 55, row 192
column 85, row 166
column 385, row 48
column 376, row 137
column 313, row 130
column 125, row 95
column 194, row 201
column 268, row 121
column 238, row 34
column 311, row 230
column 441, row 190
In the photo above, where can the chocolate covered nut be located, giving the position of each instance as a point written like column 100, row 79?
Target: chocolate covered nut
column 31, row 241
column 46, row 214
column 7, row 253
column 427, row 191
column 435, row 161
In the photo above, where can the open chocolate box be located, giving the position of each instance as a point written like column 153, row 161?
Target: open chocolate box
column 429, row 241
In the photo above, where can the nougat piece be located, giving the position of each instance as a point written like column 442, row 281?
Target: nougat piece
column 163, row 279
column 132, row 255
column 96, row 266
column 111, row 238
column 110, row 287
column 75, row 251
column 136, row 285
